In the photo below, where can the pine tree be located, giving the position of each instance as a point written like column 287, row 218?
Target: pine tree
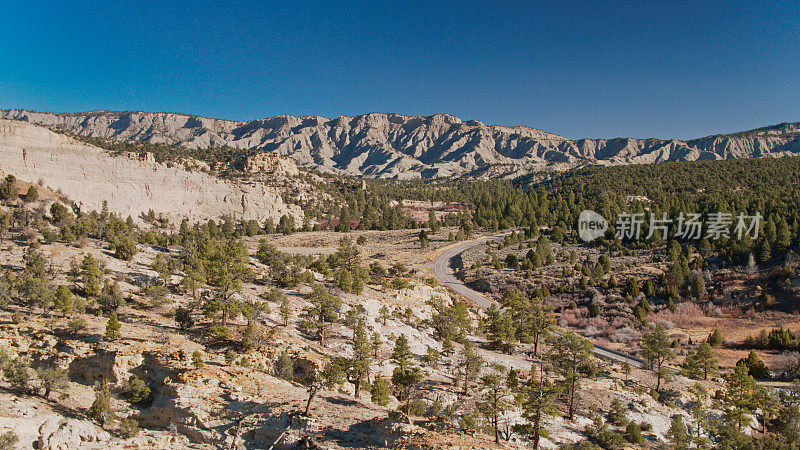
column 324, row 310
column 569, row 352
column 285, row 311
column 738, row 397
column 407, row 380
column 754, row 365
column 64, row 301
column 470, row 365
column 534, row 321
column 495, row 400
column 698, row 288
column 380, row 392
column 113, row 327
column 31, row 195
column 764, row 251
column 401, row 354
column 362, row 356
column 500, row 328
column 677, row 434
column 197, row 360
column 284, row 367
column 656, row 351
column 707, row 360
column 91, row 276
column 538, row 400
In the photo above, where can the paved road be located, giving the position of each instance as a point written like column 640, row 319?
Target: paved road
column 443, row 272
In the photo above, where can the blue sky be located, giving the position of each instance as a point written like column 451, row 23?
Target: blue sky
column 580, row 69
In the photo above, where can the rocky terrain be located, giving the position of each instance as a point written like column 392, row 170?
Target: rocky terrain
column 133, row 186
column 395, row 146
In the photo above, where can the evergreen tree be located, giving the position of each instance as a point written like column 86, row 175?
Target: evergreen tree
column 568, row 354
column 101, row 407
column 754, row 365
column 538, row 400
column 31, row 195
column 324, row 310
column 284, row 367
column 407, row 380
column 715, row 338
column 91, row 276
column 495, row 400
column 380, row 392
column 285, row 311
column 678, row 435
column 698, row 288
column 362, row 356
column 470, row 365
column 401, row 354
column 197, row 360
column 64, row 301
column 738, row 397
column 113, row 327
column 53, row 379
column 701, row 363
column 655, row 348
column 500, row 329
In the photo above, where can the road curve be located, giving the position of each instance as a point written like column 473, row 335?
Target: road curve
column 443, row 272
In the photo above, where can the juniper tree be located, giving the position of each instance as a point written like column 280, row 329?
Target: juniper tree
column 101, row 407
column 52, row 379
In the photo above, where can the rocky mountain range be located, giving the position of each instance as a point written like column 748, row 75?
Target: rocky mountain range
column 395, row 146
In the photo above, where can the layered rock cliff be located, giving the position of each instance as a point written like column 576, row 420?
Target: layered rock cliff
column 89, row 175
column 396, row 146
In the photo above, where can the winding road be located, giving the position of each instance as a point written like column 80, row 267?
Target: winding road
column 443, row 271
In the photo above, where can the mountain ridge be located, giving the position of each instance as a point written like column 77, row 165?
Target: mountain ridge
column 389, row 145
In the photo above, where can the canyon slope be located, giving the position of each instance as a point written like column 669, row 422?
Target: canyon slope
column 130, row 185
column 395, row 146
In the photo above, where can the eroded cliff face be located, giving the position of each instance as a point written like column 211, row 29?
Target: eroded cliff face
column 395, row 146
column 89, row 175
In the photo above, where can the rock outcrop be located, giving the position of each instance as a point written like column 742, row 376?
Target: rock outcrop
column 396, row 146
column 271, row 164
column 132, row 186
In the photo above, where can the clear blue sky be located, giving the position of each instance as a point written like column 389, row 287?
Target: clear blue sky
column 580, row 69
